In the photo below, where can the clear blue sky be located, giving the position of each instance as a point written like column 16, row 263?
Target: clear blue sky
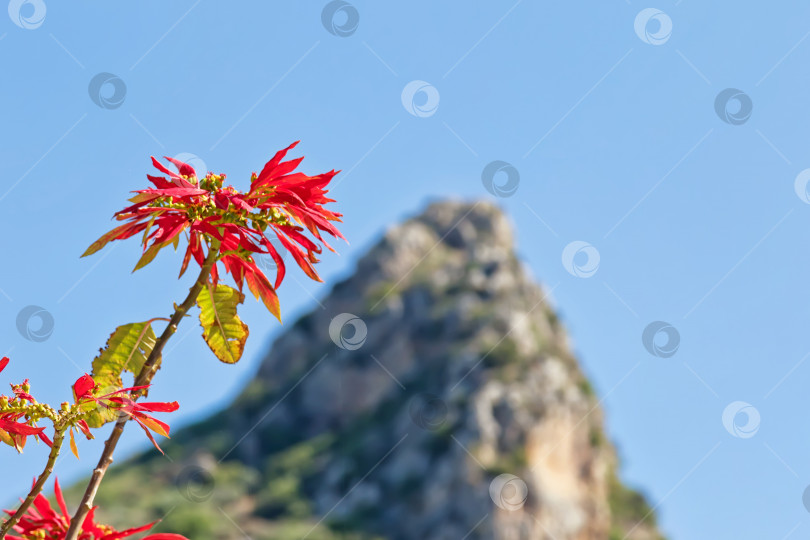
column 617, row 143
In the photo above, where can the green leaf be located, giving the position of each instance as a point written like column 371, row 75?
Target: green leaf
column 222, row 330
column 149, row 255
column 127, row 350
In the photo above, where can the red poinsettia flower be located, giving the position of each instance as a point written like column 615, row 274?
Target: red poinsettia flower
column 15, row 424
column 120, row 401
column 281, row 202
column 42, row 521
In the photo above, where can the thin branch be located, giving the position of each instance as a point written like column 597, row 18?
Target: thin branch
column 58, row 438
column 144, row 378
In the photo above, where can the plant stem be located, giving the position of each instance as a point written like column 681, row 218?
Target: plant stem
column 58, row 438
column 144, row 378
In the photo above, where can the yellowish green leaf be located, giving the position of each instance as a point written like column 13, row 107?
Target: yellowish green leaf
column 149, row 255
column 126, row 351
column 73, row 447
column 223, row 331
column 6, row 438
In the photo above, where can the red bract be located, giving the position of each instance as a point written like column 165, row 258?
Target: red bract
column 236, row 224
column 120, row 401
column 18, row 414
column 42, row 522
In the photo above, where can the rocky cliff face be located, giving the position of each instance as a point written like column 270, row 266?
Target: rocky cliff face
column 432, row 396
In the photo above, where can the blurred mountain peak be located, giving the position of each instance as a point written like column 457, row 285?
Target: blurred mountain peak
column 430, row 395
column 476, row 228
